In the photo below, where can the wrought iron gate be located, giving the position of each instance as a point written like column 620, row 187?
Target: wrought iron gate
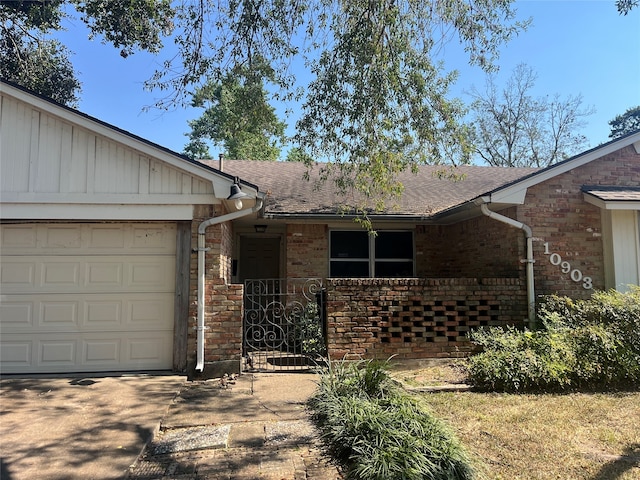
column 284, row 324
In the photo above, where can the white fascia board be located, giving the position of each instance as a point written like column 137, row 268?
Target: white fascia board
column 611, row 204
column 107, row 198
column 23, row 211
column 221, row 182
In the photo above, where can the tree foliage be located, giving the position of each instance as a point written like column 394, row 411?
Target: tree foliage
column 625, row 6
column 131, row 25
column 625, row 123
column 378, row 102
column 295, row 154
column 30, row 59
column 238, row 117
column 512, row 128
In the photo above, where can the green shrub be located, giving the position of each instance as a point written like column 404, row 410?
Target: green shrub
column 586, row 344
column 376, row 431
column 513, row 360
column 308, row 331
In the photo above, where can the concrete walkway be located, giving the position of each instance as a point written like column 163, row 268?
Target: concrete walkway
column 254, row 427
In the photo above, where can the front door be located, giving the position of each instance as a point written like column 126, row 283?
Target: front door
column 259, row 257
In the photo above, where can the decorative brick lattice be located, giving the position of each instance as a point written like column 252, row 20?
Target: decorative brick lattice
column 433, row 321
column 417, row 318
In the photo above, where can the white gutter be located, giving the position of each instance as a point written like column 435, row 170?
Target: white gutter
column 531, row 299
column 201, row 271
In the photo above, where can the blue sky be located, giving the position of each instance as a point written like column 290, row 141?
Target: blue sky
column 575, row 47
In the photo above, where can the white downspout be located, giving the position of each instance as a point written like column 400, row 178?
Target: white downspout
column 531, row 299
column 201, row 272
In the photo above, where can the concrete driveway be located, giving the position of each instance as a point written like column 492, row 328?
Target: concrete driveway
column 91, row 427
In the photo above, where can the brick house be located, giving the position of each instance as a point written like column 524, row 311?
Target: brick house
column 118, row 254
column 452, row 255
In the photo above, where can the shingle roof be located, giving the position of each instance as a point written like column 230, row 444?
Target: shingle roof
column 288, row 193
column 613, row 194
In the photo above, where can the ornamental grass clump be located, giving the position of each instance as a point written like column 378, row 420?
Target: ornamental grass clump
column 582, row 345
column 376, row 431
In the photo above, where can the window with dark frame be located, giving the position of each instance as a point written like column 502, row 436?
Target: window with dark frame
column 356, row 254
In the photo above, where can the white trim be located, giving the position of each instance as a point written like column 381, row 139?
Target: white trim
column 23, row 211
column 109, row 198
column 611, row 204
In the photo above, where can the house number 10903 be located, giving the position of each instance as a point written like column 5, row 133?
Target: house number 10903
column 565, row 267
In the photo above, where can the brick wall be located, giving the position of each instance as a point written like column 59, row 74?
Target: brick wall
column 307, row 250
column 572, row 228
column 223, row 319
column 417, row 318
column 479, row 247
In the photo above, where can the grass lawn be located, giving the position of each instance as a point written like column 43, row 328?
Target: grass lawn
column 571, row 436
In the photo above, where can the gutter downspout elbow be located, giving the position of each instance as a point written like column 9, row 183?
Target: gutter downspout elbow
column 531, row 299
column 202, row 249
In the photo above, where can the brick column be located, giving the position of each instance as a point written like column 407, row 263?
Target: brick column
column 223, row 301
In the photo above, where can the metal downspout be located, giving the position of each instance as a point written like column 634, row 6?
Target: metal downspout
column 531, row 299
column 202, row 249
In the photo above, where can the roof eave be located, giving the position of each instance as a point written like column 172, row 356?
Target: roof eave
column 332, row 217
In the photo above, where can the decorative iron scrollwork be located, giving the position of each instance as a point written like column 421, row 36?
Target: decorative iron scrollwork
column 283, row 322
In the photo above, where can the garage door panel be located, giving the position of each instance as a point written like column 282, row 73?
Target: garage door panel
column 106, row 237
column 19, row 237
column 85, row 353
column 150, row 349
column 152, row 275
column 152, row 238
column 58, row 353
column 88, row 274
column 60, row 274
column 156, row 310
column 58, row 315
column 62, row 236
column 17, row 274
column 86, row 297
column 78, row 239
column 139, row 350
column 105, row 275
column 15, row 314
column 102, row 314
column 99, row 313
column 16, row 355
column 101, row 351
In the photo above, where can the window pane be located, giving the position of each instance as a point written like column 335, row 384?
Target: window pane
column 394, row 245
column 349, row 269
column 349, row 244
column 394, row 269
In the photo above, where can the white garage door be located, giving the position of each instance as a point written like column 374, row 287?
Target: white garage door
column 86, row 297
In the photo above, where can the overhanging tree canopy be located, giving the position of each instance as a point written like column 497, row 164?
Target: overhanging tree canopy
column 377, row 101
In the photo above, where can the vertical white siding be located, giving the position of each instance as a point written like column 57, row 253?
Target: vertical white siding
column 624, row 249
column 41, row 153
